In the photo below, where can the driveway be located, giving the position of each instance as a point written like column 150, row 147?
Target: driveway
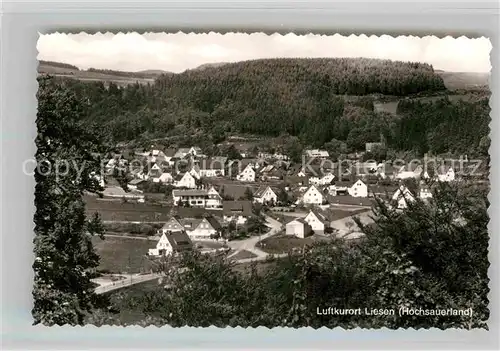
column 249, row 244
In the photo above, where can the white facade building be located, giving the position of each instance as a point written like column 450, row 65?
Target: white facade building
column 247, row 175
column 265, row 195
column 186, row 181
column 313, row 196
column 358, row 189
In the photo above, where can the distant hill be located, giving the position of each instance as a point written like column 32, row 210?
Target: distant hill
column 154, row 72
column 209, row 65
column 121, row 78
column 464, row 80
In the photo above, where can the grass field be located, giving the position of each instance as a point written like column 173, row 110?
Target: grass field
column 279, row 244
column 113, row 210
column 464, row 80
column 120, row 255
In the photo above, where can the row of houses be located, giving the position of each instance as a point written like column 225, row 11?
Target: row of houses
column 318, row 220
column 178, row 233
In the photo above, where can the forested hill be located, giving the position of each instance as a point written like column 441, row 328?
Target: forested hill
column 317, row 102
column 351, row 76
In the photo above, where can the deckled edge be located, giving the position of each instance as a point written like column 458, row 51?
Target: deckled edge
column 491, row 102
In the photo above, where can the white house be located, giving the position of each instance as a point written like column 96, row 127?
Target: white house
column 317, row 220
column 247, row 175
column 195, row 172
column 298, row 227
column 205, row 229
column 238, row 211
column 185, row 180
column 213, row 167
column 265, row 195
column 324, row 180
column 193, row 197
column 172, row 225
column 156, row 156
column 171, row 242
column 166, row 177
column 214, row 200
column 316, row 153
column 313, row 196
column 445, row 175
column 402, row 197
column 358, row 189
column 194, row 151
column 425, row 192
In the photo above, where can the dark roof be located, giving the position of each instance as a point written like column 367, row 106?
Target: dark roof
column 342, row 183
column 170, row 152
column 135, row 181
column 190, row 192
column 261, row 190
column 242, row 207
column 323, row 216
column 214, row 223
column 190, row 223
column 180, row 241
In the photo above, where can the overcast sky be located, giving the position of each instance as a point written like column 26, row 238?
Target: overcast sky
column 178, row 52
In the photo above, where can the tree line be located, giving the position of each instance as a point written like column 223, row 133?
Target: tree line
column 300, row 98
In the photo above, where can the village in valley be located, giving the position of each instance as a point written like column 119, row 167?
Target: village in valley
column 250, row 204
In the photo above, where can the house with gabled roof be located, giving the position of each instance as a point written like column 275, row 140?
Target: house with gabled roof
column 358, row 189
column 195, row 171
column 425, row 192
column 298, row 227
column 194, row 151
column 171, row 243
column 318, row 220
column 165, row 178
column 238, row 211
column 445, row 174
column 265, row 195
column 402, row 197
column 185, row 180
column 204, row 198
column 247, row 174
column 154, row 170
column 205, row 228
column 312, row 196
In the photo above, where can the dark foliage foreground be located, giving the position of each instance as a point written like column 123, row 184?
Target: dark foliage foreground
column 430, row 257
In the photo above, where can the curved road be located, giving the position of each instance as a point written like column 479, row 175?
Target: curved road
column 247, row 244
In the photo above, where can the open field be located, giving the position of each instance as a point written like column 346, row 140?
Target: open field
column 278, row 244
column 119, row 255
column 464, row 80
column 145, row 77
column 116, row 210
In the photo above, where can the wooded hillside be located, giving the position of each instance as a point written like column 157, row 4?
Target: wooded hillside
column 319, row 102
